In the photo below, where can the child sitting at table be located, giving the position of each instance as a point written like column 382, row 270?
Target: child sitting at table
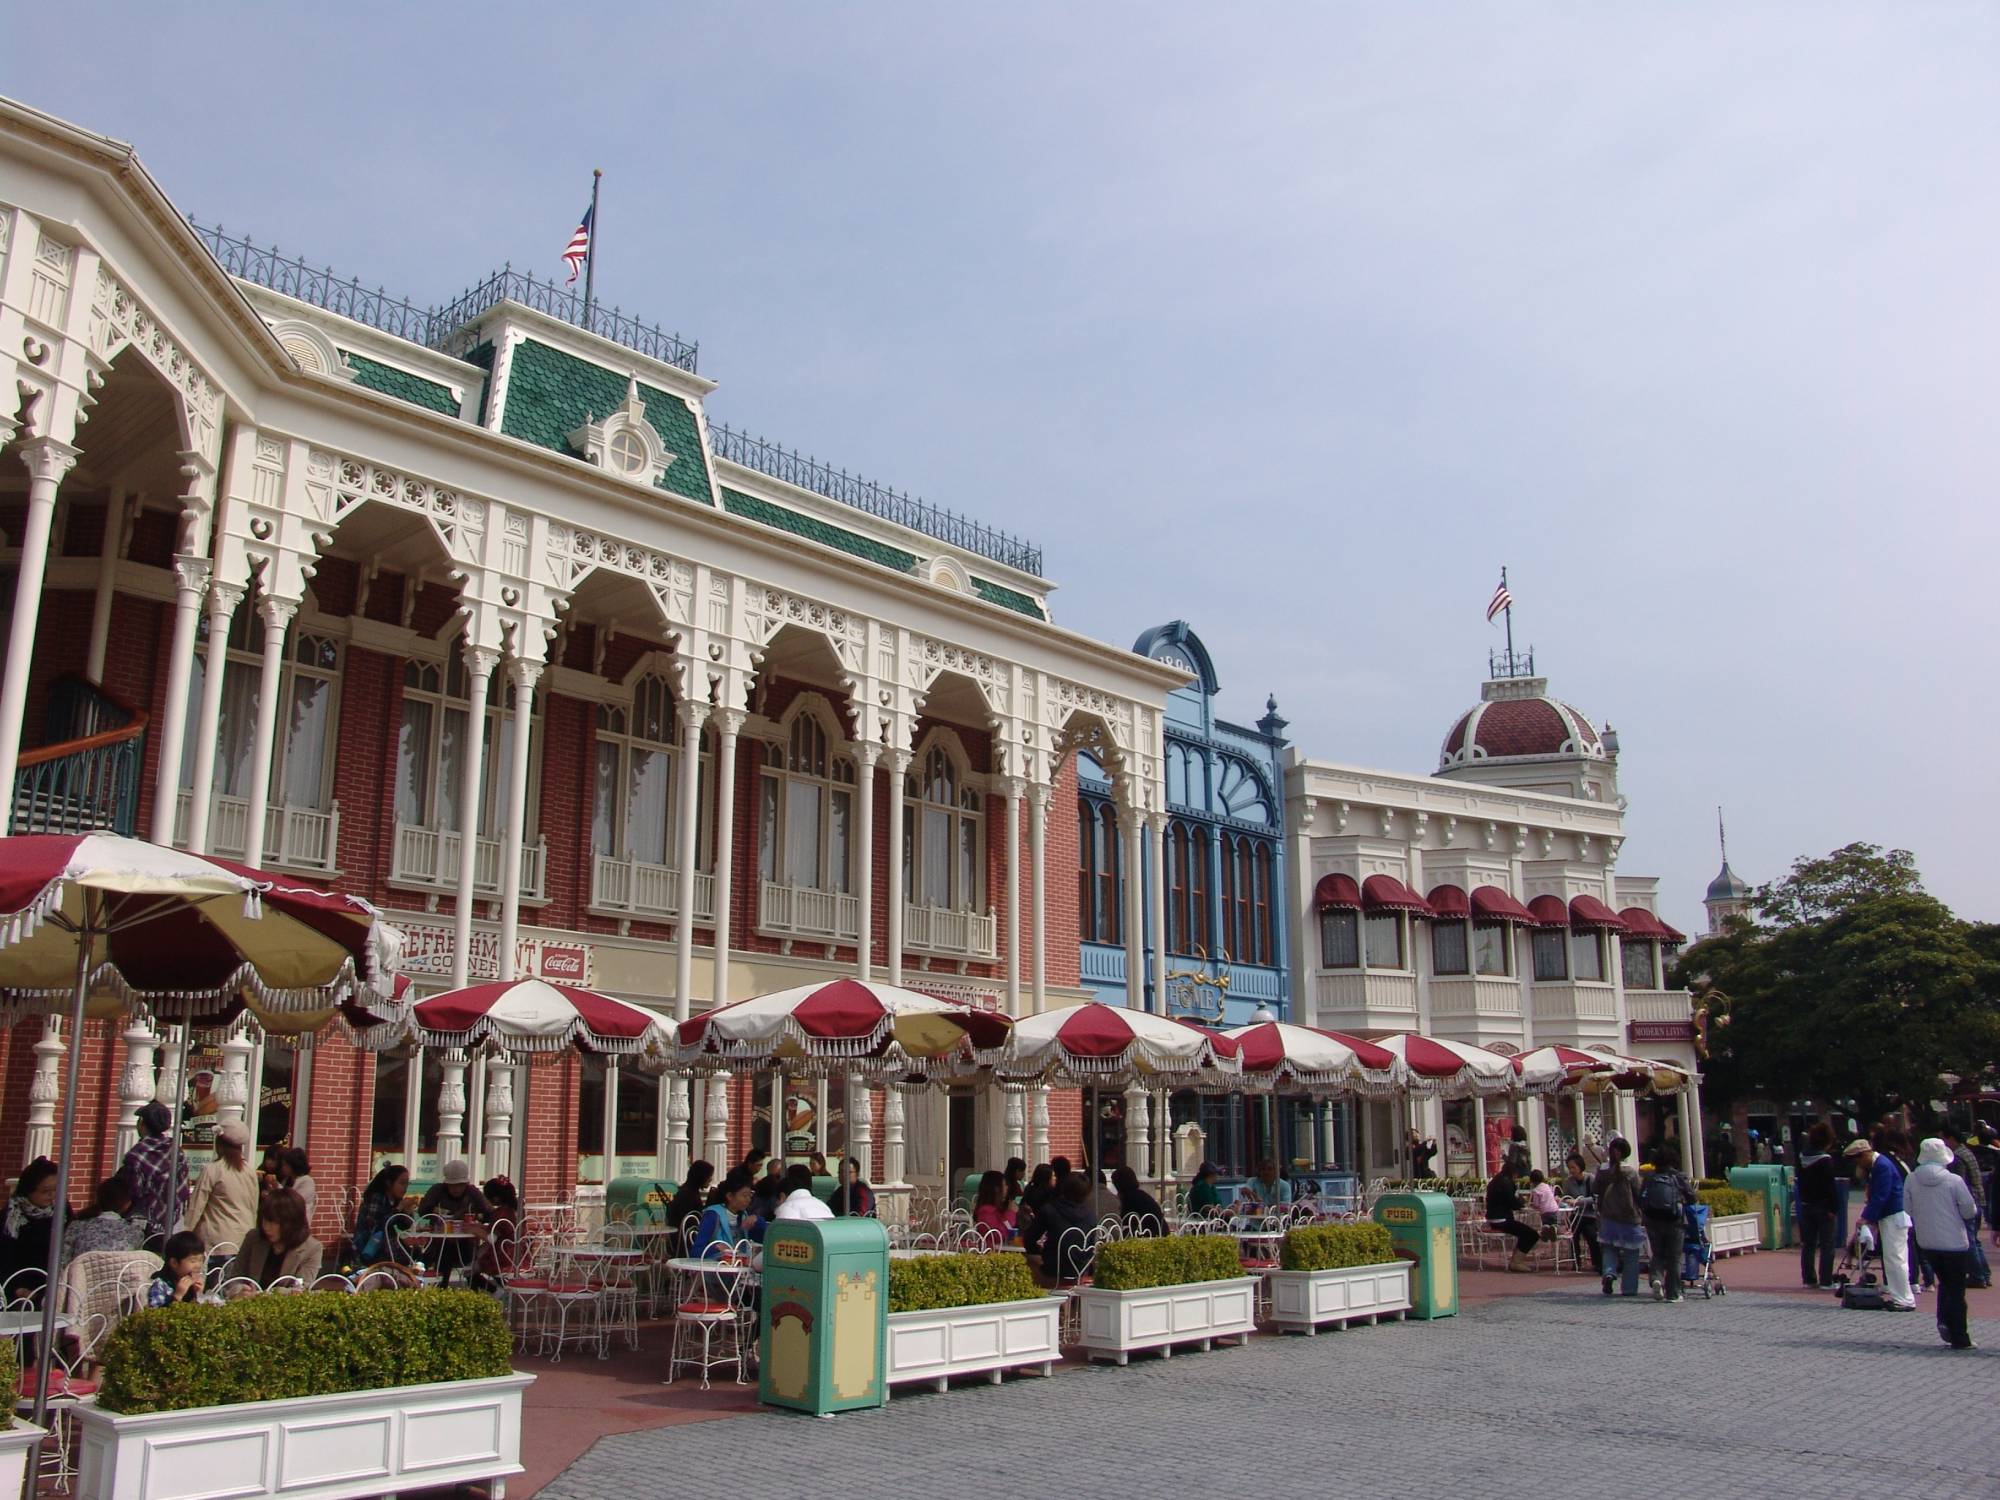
column 1542, row 1195
column 183, row 1259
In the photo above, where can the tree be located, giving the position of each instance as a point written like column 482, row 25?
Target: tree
column 1851, row 983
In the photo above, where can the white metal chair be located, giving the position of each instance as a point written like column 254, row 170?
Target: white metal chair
column 68, row 1388
column 709, row 1322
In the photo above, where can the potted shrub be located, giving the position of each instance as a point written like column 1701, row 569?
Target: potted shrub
column 968, row 1315
column 322, row 1394
column 17, row 1439
column 1156, row 1293
column 1734, row 1223
column 1338, row 1273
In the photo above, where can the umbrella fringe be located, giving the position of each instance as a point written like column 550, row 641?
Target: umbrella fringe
column 27, row 921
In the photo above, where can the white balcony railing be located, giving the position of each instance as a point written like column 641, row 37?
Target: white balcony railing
column 799, row 911
column 1357, row 1000
column 1658, row 1005
column 1476, row 995
column 295, row 838
column 428, row 858
column 632, row 887
column 1586, row 1000
column 957, row 934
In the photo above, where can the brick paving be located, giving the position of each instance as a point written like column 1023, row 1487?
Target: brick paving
column 1563, row 1391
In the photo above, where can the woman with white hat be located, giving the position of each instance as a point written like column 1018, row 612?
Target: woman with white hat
column 1939, row 1204
column 223, row 1207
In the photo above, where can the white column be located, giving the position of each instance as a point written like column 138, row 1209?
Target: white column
column 1694, row 1159
column 1038, row 817
column 715, row 1125
column 191, row 575
column 136, row 1083
column 475, row 1114
column 866, row 757
column 500, row 1120
column 674, row 1155
column 860, row 1125
column 1131, row 843
column 1156, row 884
column 172, row 1088
column 107, row 583
column 451, row 1107
column 1138, row 1132
column 1038, row 1124
column 223, row 599
column 1017, row 1123
column 48, row 461
column 524, row 675
column 728, row 722
column 899, row 765
column 45, row 1090
column 1012, row 789
column 232, row 1083
column 893, row 1164
column 693, row 716
column 479, row 664
column 277, row 617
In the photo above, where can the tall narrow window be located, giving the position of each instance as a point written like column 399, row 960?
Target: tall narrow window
column 1340, row 939
column 1199, row 920
column 1245, row 946
column 806, row 810
column 1267, row 948
column 1177, row 892
column 1384, row 933
column 302, row 757
column 1587, row 950
column 942, row 864
column 1551, row 946
column 1086, row 877
column 1638, row 960
column 1448, row 947
column 432, row 743
column 1491, row 943
column 1110, row 914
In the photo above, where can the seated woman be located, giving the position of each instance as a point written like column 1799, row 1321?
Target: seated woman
column 1064, row 1220
column 1203, row 1197
column 1138, row 1208
column 282, row 1247
column 725, row 1223
column 381, row 1200
column 990, row 1214
column 687, row 1203
column 24, row 1238
column 1503, row 1201
column 853, row 1199
column 183, row 1259
column 104, row 1225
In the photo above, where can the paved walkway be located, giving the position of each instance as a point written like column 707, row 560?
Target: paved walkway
column 1562, row 1391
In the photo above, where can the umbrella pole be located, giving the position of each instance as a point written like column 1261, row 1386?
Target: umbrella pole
column 53, row 1290
column 180, row 1126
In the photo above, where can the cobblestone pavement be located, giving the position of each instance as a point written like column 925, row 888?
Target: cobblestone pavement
column 1561, row 1393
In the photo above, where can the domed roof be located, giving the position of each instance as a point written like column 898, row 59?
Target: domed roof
column 1520, row 725
column 1727, row 886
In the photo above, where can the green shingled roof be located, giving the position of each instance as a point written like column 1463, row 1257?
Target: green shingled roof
column 1006, row 598
column 739, row 504
column 373, row 376
column 550, row 394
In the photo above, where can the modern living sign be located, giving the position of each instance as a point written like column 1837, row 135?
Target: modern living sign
column 428, row 948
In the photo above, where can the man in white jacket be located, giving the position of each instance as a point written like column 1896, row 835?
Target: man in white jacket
column 1939, row 1204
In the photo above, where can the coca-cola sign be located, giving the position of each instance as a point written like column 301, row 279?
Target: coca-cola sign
column 428, row 949
column 566, row 963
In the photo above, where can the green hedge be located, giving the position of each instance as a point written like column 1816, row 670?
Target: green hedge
column 10, row 1380
column 923, row 1283
column 1725, row 1200
column 1330, row 1247
column 1704, row 1184
column 1451, row 1187
column 311, row 1344
column 1133, row 1265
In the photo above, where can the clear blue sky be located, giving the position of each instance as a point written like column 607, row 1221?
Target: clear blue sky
column 1294, row 321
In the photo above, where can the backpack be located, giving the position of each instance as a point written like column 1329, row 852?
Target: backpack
column 1660, row 1196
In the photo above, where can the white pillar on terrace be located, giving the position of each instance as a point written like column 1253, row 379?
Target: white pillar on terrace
column 893, row 1164
column 44, row 1091
column 1017, row 1123
column 715, row 1124
column 1132, row 843
column 1011, row 787
column 728, row 724
column 136, row 1083
column 693, row 717
column 1038, row 817
column 451, row 1107
column 232, row 1080
column 858, row 1108
column 276, row 615
column 899, row 765
column 479, row 664
column 223, row 600
column 499, row 1119
column 107, row 582
column 192, row 571
column 1139, row 1131
column 867, row 756
column 524, row 675
column 1156, row 884
column 1038, row 1124
column 48, row 461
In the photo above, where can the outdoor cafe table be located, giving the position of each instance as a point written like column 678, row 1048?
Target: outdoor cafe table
column 603, row 1255
column 15, row 1325
column 451, row 1244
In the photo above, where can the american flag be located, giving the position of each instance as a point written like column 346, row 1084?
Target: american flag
column 1501, row 600
column 579, row 246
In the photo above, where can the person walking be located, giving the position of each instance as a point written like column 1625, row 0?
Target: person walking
column 1938, row 1205
column 1883, row 1217
column 1663, row 1197
column 1965, row 1167
column 146, row 1170
column 1620, row 1226
column 1819, row 1206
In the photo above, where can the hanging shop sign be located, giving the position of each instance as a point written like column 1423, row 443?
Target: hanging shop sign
column 428, row 948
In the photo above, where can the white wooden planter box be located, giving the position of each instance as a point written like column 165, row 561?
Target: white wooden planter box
column 986, row 1340
column 1302, row 1300
column 1118, row 1324
column 15, row 1444
column 1733, row 1234
column 410, row 1437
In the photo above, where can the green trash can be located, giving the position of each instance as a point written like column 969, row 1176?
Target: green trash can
column 824, row 1325
column 1426, row 1233
column 823, row 1187
column 1774, row 1183
column 638, row 1200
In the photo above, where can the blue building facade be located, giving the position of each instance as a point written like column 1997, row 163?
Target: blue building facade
column 1228, row 942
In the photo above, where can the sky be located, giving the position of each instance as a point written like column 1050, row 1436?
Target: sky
column 1297, row 322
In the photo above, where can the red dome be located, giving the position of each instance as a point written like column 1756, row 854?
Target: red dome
column 1518, row 728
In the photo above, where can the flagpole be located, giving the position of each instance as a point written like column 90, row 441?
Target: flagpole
column 1503, row 566
column 590, row 251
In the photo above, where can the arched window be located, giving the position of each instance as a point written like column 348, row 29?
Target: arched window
column 635, row 802
column 1267, row 947
column 432, row 741
column 1099, row 914
column 1231, row 941
column 302, row 774
column 942, row 865
column 1177, row 884
column 1199, row 921
column 806, row 830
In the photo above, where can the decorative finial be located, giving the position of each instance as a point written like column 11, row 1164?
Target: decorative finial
column 1721, row 833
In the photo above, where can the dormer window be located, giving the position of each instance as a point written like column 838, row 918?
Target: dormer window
column 624, row 443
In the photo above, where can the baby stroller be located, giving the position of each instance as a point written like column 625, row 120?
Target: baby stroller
column 1698, row 1273
column 1853, row 1283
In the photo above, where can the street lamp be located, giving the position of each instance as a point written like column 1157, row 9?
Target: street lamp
column 1263, row 1015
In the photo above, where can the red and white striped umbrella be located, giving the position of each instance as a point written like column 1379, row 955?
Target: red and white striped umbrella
column 1285, row 1056
column 1450, row 1070
column 845, row 1026
column 1557, row 1066
column 1104, row 1046
column 532, row 1015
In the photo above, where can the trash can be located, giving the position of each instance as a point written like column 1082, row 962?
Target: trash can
column 1774, row 1183
column 1425, row 1232
column 824, row 1324
column 638, row 1200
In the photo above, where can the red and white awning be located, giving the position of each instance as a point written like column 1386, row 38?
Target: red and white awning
column 532, row 1015
column 1283, row 1056
column 845, row 1026
column 1553, row 1067
column 1107, row 1046
column 1451, row 1070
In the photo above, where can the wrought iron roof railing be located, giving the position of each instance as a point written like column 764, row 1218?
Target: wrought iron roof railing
column 434, row 326
column 793, row 467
